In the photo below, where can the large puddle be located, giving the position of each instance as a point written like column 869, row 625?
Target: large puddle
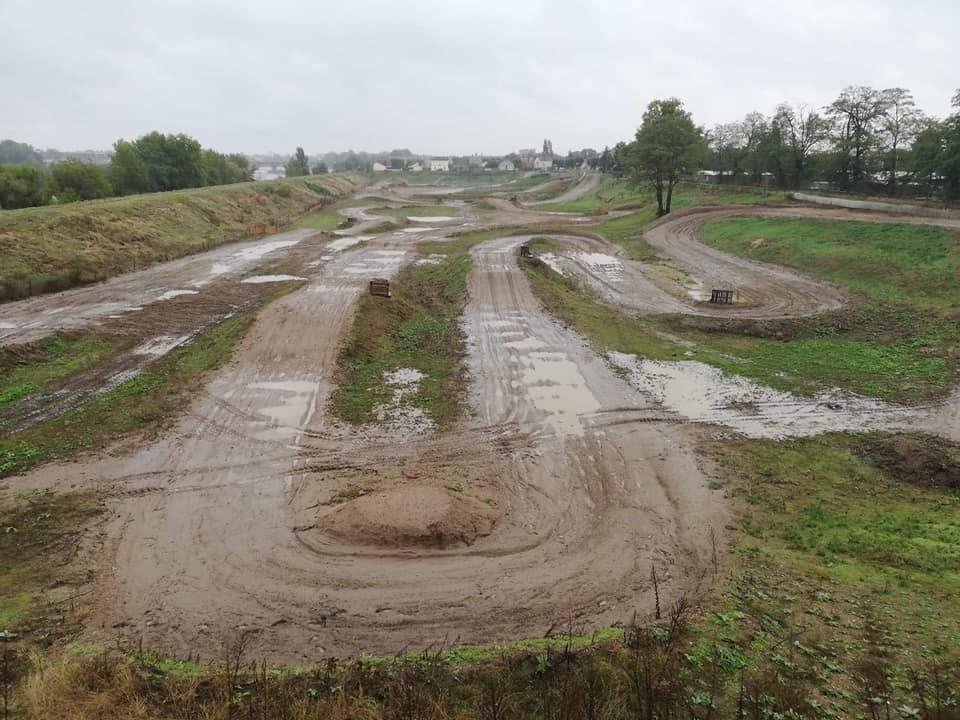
column 702, row 393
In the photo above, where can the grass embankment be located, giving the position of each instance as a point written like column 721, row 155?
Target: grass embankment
column 619, row 194
column 838, row 601
column 145, row 402
column 29, row 368
column 416, row 328
column 899, row 343
column 52, row 248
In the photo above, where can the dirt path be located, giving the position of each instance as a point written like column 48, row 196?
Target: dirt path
column 549, row 507
column 587, row 184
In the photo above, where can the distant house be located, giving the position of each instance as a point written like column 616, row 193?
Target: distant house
column 506, row 166
column 543, row 162
column 379, row 167
column 440, row 165
column 415, row 167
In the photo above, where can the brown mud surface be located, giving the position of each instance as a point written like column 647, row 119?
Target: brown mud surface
column 549, row 506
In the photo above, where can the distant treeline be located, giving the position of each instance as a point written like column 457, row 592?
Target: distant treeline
column 152, row 163
column 867, row 140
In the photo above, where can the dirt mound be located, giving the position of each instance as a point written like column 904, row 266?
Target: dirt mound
column 913, row 458
column 426, row 516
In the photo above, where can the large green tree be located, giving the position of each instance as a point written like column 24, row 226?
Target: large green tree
column 23, row 186
column 298, row 165
column 128, row 170
column 667, row 146
column 77, row 180
column 856, row 115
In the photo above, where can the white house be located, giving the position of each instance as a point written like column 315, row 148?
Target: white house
column 506, row 166
column 543, row 163
column 437, row 165
column 415, row 167
column 379, row 167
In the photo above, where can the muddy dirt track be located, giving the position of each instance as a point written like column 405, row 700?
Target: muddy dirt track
column 547, row 507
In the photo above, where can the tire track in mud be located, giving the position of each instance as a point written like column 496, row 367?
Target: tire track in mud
column 205, row 539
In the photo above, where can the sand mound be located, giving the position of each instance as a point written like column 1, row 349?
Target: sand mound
column 426, row 516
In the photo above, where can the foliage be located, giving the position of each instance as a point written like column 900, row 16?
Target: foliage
column 76, row 180
column 667, row 145
column 23, row 186
column 298, row 165
column 14, row 153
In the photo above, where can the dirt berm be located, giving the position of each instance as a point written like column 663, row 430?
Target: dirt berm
column 48, row 249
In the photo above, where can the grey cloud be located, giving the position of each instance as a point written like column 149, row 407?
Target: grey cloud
column 445, row 76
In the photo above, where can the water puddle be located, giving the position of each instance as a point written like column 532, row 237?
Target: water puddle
column 702, row 393
column 558, row 389
column 245, row 257
column 432, row 219
column 160, row 346
column 600, row 263
column 176, row 293
column 8, row 326
column 397, row 415
column 258, row 279
column 431, row 259
column 347, row 241
column 289, row 405
column 551, row 261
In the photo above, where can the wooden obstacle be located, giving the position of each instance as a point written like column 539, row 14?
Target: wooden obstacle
column 525, row 251
column 721, row 297
column 380, row 287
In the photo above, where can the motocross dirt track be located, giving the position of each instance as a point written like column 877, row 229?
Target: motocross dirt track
column 548, row 507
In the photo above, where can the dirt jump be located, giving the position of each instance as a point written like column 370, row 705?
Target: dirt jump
column 548, row 507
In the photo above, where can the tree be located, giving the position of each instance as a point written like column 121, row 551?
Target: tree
column 801, row 131
column 298, row 165
column 899, row 125
column 220, row 169
column 18, row 154
column 128, row 171
column 320, row 168
column 856, row 114
column 76, row 180
column 23, row 186
column 728, row 142
column 666, row 146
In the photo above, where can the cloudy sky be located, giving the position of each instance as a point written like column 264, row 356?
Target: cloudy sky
column 445, row 76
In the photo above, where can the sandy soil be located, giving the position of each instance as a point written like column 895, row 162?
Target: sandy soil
column 549, row 506
column 587, row 184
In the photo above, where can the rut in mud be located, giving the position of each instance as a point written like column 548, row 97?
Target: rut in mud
column 549, row 506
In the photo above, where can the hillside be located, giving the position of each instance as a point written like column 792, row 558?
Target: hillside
column 47, row 249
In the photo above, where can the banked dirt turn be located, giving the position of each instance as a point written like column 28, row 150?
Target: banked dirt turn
column 548, row 507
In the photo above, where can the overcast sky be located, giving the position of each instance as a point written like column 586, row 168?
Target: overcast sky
column 445, row 76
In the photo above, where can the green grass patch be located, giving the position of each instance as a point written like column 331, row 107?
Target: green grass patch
column 144, row 401
column 32, row 367
column 416, row 328
column 38, row 537
column 627, row 231
column 896, row 264
column 846, row 553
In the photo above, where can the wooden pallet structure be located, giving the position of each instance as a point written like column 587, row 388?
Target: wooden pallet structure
column 721, row 297
column 380, row 287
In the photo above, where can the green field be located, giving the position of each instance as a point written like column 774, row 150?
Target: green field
column 895, row 264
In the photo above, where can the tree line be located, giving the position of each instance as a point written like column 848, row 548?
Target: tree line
column 155, row 162
column 867, row 140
